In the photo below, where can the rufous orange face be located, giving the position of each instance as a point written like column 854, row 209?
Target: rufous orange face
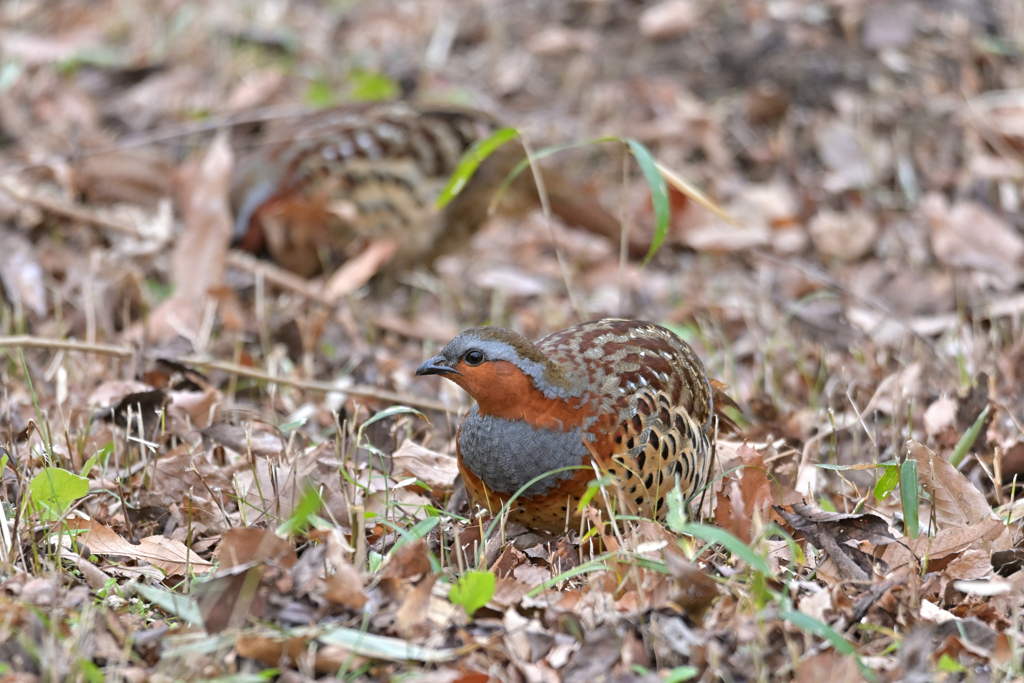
column 498, row 386
column 505, row 391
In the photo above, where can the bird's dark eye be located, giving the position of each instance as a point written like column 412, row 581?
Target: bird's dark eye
column 474, row 357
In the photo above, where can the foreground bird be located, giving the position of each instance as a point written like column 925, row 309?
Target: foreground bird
column 317, row 190
column 628, row 396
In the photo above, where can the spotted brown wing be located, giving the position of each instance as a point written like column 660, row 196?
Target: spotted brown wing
column 652, row 407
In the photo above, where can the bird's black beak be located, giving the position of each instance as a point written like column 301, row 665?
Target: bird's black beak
column 438, row 365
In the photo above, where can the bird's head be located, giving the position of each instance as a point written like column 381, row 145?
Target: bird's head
column 499, row 368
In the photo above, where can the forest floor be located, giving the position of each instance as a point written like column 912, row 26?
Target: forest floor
column 266, row 496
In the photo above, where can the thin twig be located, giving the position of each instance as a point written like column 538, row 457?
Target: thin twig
column 174, row 132
column 276, row 275
column 65, row 208
column 28, row 342
column 360, row 390
column 626, row 222
column 545, row 206
column 270, row 272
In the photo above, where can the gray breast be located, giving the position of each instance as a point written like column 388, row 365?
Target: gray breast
column 506, row 454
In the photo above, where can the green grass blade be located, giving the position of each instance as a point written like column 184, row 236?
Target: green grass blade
column 388, row 412
column 659, row 193
column 713, row 534
column 811, row 625
column 414, row 533
column 537, row 156
column 595, row 565
column 909, row 497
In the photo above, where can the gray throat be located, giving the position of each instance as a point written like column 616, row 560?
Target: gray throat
column 506, row 454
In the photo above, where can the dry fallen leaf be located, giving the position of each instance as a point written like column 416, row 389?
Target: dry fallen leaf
column 840, row 535
column 957, row 502
column 843, row 150
column 989, row 535
column 510, row 558
column 21, row 277
column 941, row 414
column 828, row 666
column 411, row 560
column 200, row 253
column 669, row 19
column 357, row 271
column 531, row 575
column 242, row 545
column 201, row 407
column 173, row 557
column 972, row 564
column 273, row 649
column 695, row 590
column 436, row 470
column 509, row 592
column 849, row 235
column 345, row 586
column 740, row 502
column 411, row 617
column 558, row 41
column 968, row 235
column 345, row 583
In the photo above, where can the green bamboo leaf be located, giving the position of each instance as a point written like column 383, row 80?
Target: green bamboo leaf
column 967, row 440
column 949, row 665
column 860, row 466
column 179, row 605
column 101, row 456
column 659, row 193
column 887, row 482
column 379, row 647
column 320, row 94
column 471, row 160
column 909, row 496
column 681, row 674
column 291, row 426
